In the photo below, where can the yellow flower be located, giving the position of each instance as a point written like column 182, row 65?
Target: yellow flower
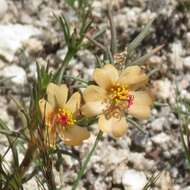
column 117, row 93
column 59, row 115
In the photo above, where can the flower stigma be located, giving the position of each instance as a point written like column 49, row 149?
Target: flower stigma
column 64, row 117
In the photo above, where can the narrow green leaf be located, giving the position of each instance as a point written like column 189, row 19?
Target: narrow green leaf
column 9, row 133
column 136, row 125
column 152, row 72
column 70, row 2
column 152, row 181
column 65, row 27
column 13, row 144
column 31, row 175
column 142, row 59
column 136, row 42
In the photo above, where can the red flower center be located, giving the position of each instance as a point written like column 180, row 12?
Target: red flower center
column 64, row 117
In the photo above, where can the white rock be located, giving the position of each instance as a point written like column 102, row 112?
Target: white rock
column 145, row 17
column 33, row 70
column 186, row 62
column 3, row 8
column 114, row 159
column 118, row 173
column 4, row 114
column 163, row 88
column 136, row 2
column 17, row 74
column 99, row 184
column 176, row 55
column 120, row 21
column 158, row 123
column 139, row 161
column 8, row 157
column 33, row 45
column 154, row 60
column 31, row 184
column 188, row 37
column 87, row 57
column 62, row 53
column 12, row 38
column 6, row 118
column 134, row 180
column 32, row 6
column 161, row 138
column 96, row 8
column 132, row 15
column 165, row 181
column 177, row 48
column 177, row 187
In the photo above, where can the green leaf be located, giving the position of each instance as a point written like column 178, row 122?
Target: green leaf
column 70, row 2
column 136, row 42
column 152, row 181
column 13, row 144
column 142, row 59
column 65, row 27
column 152, row 72
column 136, row 125
column 29, row 176
column 183, row 115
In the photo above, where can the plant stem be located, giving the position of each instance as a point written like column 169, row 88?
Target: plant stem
column 66, row 61
column 81, row 172
column 16, row 178
column 113, row 30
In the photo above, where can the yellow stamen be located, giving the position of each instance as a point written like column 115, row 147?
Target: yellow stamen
column 118, row 93
column 119, row 100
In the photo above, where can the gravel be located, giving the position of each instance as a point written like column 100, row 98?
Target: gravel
column 29, row 33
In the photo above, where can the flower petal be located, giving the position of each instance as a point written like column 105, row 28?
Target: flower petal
column 57, row 95
column 74, row 135
column 133, row 77
column 93, row 108
column 94, row 93
column 116, row 126
column 142, row 98
column 106, row 76
column 104, row 124
column 46, row 109
column 141, row 104
column 73, row 103
column 51, row 135
column 140, row 111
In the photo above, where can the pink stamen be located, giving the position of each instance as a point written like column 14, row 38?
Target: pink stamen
column 130, row 100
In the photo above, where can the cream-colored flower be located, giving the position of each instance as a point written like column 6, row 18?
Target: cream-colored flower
column 59, row 115
column 117, row 93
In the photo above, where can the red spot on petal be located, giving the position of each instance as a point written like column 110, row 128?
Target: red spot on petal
column 130, row 100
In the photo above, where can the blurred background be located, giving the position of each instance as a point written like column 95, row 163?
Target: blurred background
column 30, row 33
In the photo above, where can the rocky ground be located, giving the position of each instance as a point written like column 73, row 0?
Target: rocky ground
column 30, row 33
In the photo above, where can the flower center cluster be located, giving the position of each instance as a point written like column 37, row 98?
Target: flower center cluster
column 119, row 100
column 64, row 117
column 118, row 93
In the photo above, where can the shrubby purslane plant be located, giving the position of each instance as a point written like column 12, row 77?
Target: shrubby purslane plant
column 117, row 93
